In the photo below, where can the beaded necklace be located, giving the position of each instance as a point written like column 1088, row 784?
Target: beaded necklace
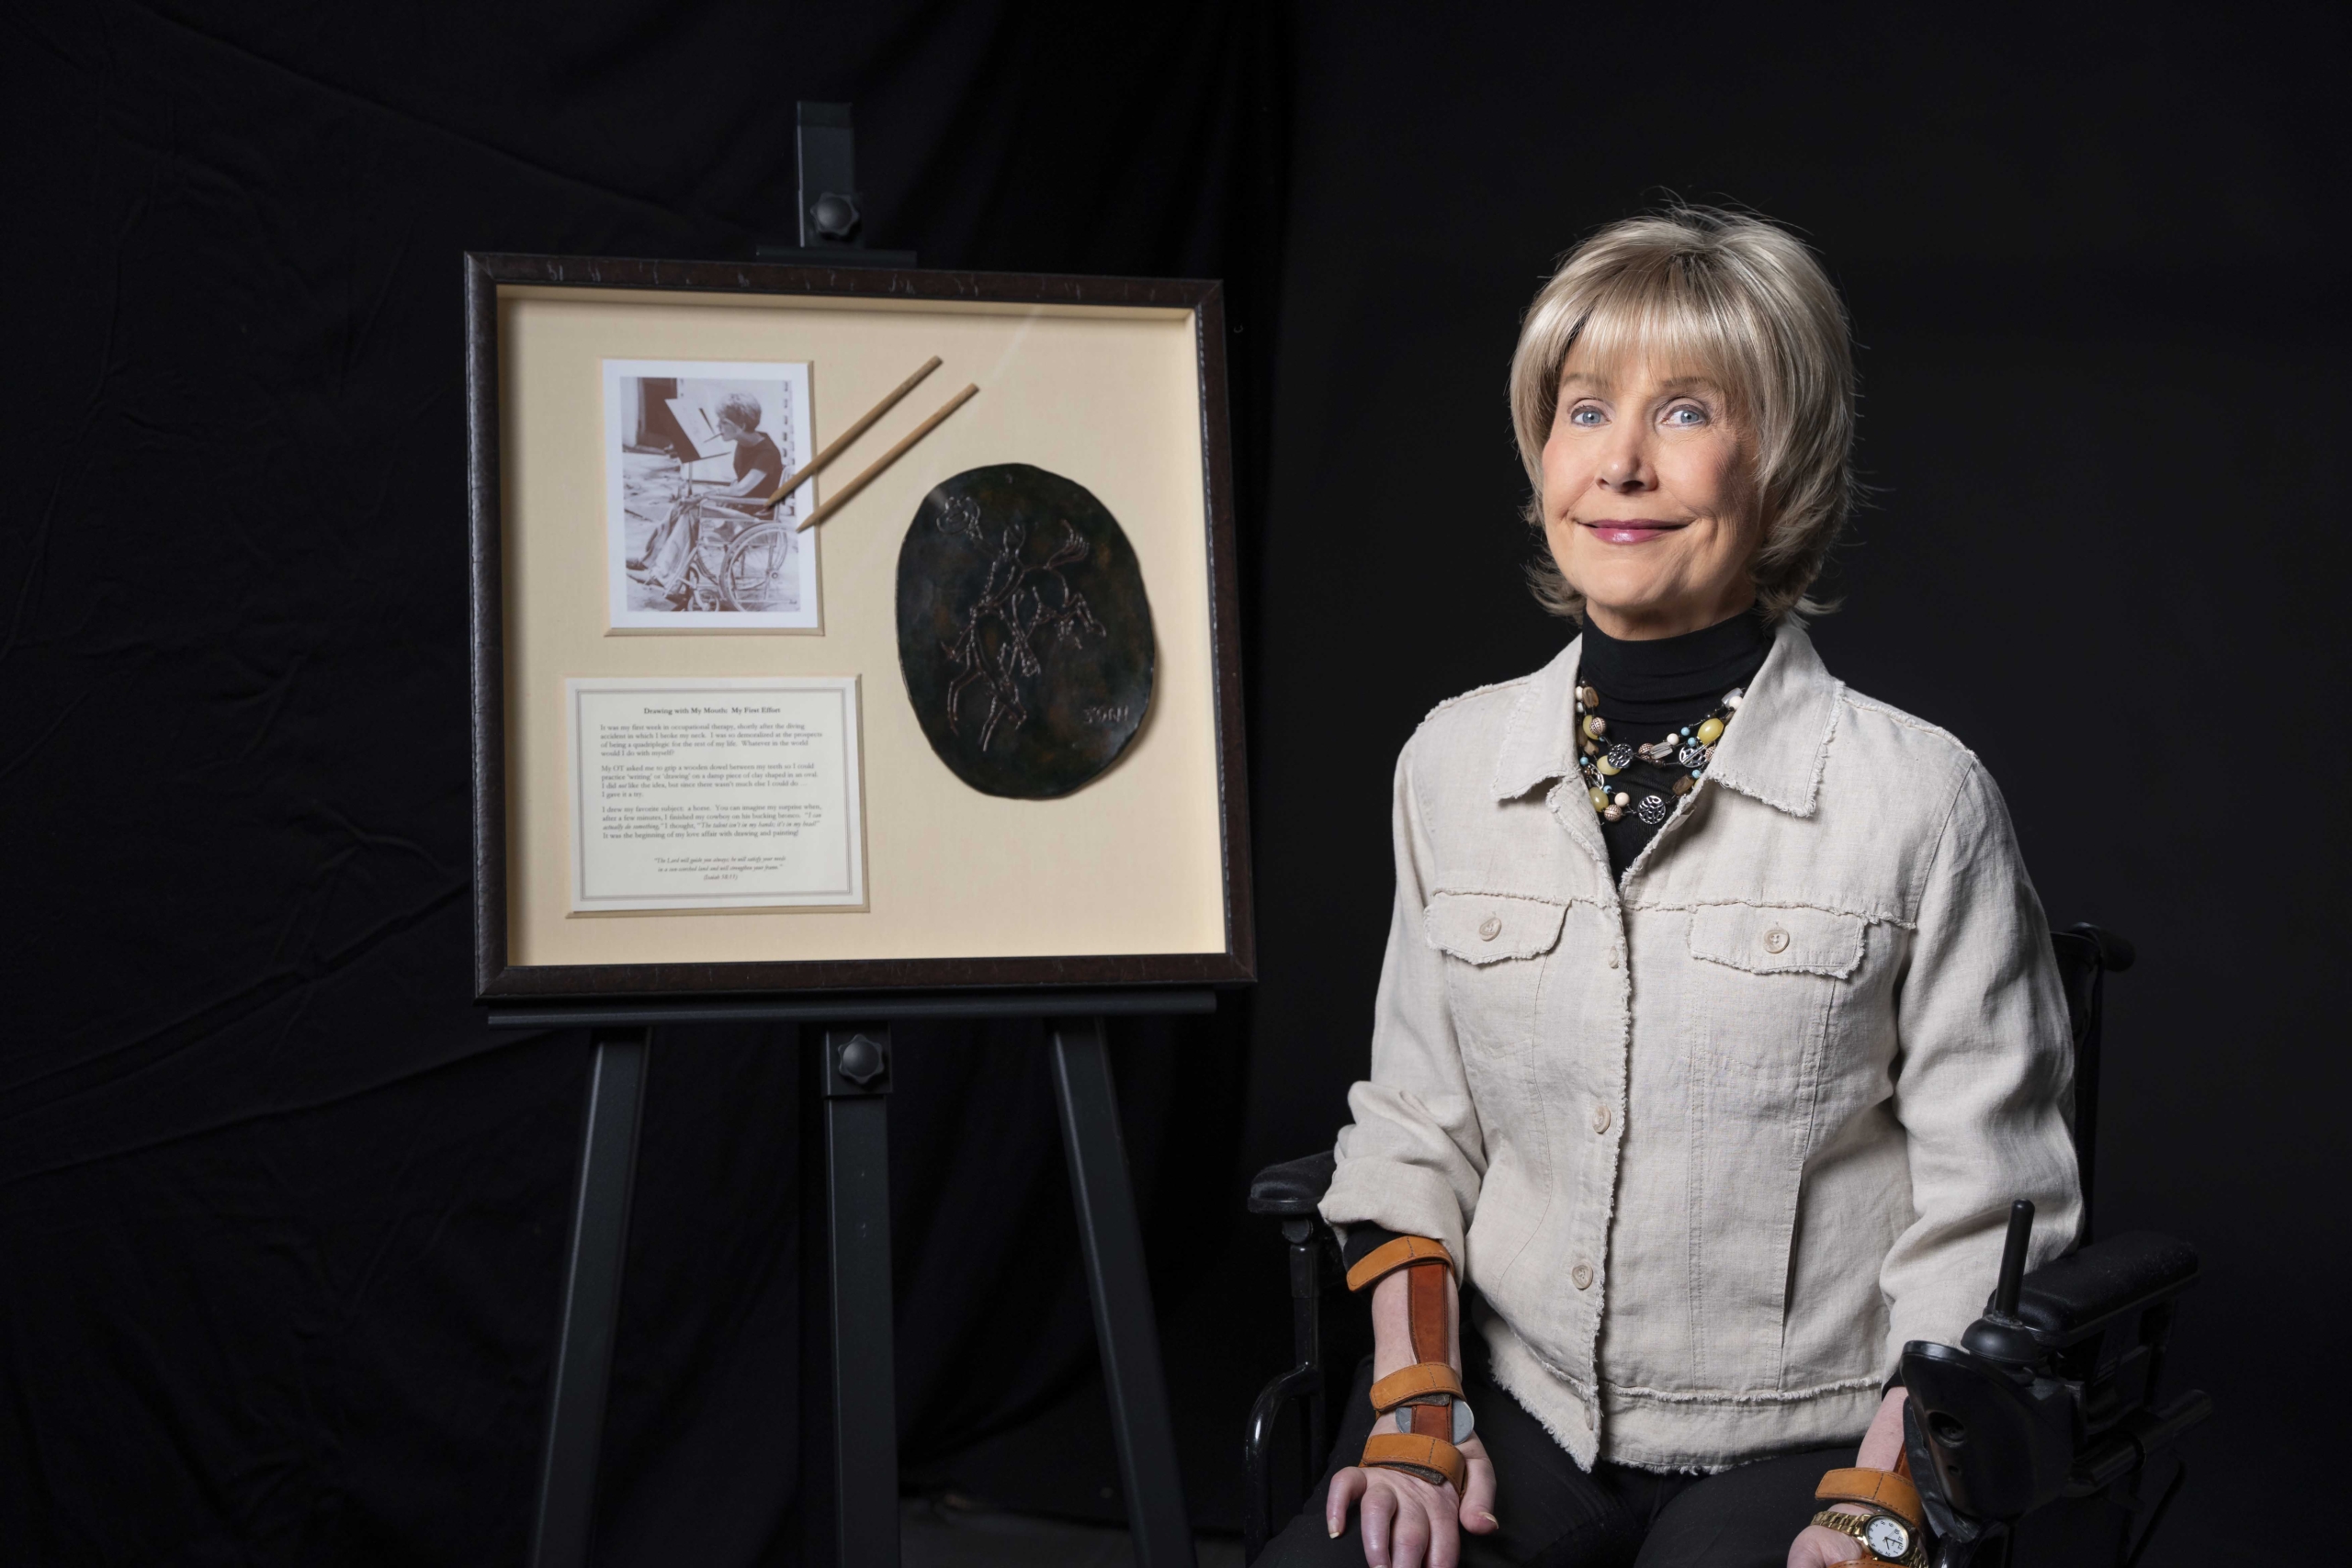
column 1693, row 747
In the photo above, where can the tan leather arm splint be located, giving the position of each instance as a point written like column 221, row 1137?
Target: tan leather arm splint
column 1427, row 1388
column 1884, row 1489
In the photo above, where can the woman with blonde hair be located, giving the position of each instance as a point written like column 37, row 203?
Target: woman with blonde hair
column 1718, row 1024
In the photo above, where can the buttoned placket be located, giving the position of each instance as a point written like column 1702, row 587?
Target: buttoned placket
column 1571, row 807
column 1587, row 1254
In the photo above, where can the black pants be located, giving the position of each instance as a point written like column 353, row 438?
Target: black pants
column 1556, row 1514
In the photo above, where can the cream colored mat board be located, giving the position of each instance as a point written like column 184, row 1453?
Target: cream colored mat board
column 1131, row 863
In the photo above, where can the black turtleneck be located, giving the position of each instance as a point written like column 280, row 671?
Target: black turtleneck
column 1648, row 688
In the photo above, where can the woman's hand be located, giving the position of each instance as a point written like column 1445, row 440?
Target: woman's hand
column 1407, row 1523
column 1818, row 1546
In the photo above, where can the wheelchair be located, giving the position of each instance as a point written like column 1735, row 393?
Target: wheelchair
column 2031, row 1441
column 736, row 560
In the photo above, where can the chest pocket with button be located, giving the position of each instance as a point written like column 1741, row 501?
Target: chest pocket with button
column 1768, row 978
column 1778, row 939
column 1502, row 942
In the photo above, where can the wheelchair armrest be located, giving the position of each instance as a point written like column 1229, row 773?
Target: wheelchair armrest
column 1293, row 1189
column 2072, row 1298
column 2116, row 954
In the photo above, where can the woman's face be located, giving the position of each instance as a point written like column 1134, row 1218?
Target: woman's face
column 1648, row 502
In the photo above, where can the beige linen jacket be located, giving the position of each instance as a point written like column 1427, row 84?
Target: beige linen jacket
column 1713, row 1143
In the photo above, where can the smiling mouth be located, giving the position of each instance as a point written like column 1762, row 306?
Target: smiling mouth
column 1629, row 530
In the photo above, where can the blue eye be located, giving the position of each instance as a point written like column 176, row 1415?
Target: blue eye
column 1686, row 415
column 1587, row 415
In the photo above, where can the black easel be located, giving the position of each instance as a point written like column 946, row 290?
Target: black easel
column 852, row 1071
column 853, row 1065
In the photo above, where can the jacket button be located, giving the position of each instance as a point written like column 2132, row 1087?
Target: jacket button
column 1490, row 929
column 1776, row 940
column 1582, row 1275
column 1612, row 960
column 1600, row 1119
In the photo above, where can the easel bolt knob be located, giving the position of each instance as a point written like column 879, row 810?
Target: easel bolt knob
column 834, row 216
column 862, row 1061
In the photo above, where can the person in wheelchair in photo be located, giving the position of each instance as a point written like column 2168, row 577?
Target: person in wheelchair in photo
column 758, row 468
column 1718, row 1026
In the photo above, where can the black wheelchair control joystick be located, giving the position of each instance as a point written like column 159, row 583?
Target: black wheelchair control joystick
column 2000, row 1335
column 2031, row 1439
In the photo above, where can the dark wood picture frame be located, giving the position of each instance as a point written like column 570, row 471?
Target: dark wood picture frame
column 496, row 980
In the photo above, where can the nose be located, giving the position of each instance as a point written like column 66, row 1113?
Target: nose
column 1624, row 469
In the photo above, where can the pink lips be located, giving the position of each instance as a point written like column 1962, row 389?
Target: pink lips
column 1629, row 530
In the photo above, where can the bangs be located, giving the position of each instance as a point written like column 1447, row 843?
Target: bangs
column 1666, row 317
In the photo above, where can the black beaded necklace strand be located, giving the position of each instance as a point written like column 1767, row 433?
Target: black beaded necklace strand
column 1693, row 747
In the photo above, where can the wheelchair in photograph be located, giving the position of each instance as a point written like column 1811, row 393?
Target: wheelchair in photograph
column 737, row 559
column 2032, row 1441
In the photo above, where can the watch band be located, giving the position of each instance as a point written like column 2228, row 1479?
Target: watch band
column 1873, row 1489
column 1432, row 1459
column 1857, row 1526
column 1389, row 1257
column 1413, row 1382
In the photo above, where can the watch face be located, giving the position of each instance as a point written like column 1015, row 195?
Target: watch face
column 1888, row 1538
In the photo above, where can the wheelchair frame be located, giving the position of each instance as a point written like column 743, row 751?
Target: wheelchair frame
column 720, row 586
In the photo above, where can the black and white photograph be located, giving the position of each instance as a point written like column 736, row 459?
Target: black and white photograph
column 693, row 451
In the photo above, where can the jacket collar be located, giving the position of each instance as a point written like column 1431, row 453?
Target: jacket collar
column 1775, row 751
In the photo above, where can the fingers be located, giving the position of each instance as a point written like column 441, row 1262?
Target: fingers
column 1817, row 1547
column 1346, row 1487
column 1407, row 1522
column 1379, row 1512
column 1411, row 1547
column 1478, row 1497
column 1445, row 1536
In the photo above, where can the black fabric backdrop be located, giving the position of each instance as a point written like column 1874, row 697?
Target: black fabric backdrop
column 281, row 1223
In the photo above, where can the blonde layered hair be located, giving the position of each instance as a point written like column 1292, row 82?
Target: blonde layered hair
column 1743, row 302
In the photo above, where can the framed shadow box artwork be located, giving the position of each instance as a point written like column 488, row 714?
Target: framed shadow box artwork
column 850, row 630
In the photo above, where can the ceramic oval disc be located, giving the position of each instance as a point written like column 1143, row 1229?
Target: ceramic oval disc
column 1024, row 635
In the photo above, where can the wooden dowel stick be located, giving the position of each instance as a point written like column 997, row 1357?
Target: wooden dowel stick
column 840, row 444
column 883, row 461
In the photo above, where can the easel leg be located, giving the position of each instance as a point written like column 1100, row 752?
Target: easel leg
column 856, row 1083
column 1124, row 1329
column 591, row 1296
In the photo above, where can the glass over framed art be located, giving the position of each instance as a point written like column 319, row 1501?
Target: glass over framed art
column 850, row 630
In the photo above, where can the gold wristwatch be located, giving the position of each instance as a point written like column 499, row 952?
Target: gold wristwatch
column 1889, row 1538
